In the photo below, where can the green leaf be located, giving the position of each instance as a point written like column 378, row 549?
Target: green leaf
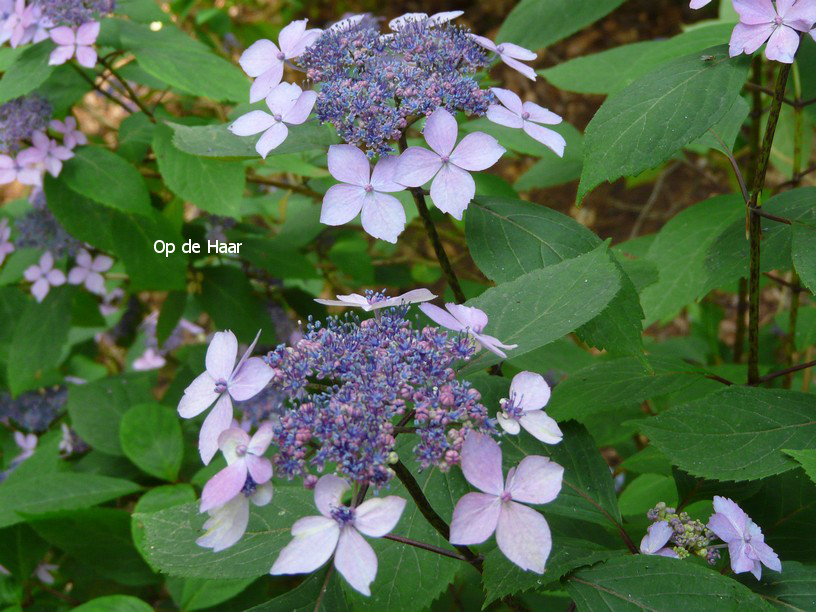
column 81, row 217
column 803, row 249
column 304, row 597
column 150, row 435
column 640, row 494
column 218, row 141
column 737, row 433
column 201, row 593
column 543, row 305
column 96, row 408
column 58, row 491
column 186, row 64
column 805, row 458
column 108, row 179
column 21, row 550
column 792, row 589
column 135, row 137
column 641, row 126
column 538, row 23
column 29, row 71
column 650, row 582
column 722, row 136
column 171, row 313
column 228, row 297
column 38, row 340
column 114, row 603
column 213, row 185
column 610, row 71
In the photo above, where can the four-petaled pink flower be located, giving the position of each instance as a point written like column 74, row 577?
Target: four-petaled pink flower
column 360, row 301
column 88, row 271
column 289, row 104
column 780, row 25
column 6, row 245
column 43, row 276
column 526, row 116
column 71, row 42
column 361, row 189
column 25, row 168
column 466, row 319
column 264, row 60
column 246, row 465
column 529, row 393
column 337, row 531
column 654, row 542
column 228, row 523
column 522, row 533
column 222, row 380
column 448, row 164
column 510, row 54
column 50, row 152
column 151, row 359
column 71, row 136
column 698, row 4
column 746, row 544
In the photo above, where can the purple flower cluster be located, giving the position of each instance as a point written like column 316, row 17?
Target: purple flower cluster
column 347, row 382
column 20, row 119
column 74, row 12
column 33, row 410
column 685, row 535
column 39, row 229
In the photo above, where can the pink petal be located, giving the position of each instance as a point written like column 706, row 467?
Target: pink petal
column 723, row 528
column 733, row 514
column 46, row 262
column 77, row 275
column 782, row 45
column 740, row 562
column 198, row 396
column 102, row 263
column 530, row 391
column 383, row 216
column 766, row 555
column 253, row 122
column 228, row 442
column 355, row 560
column 266, row 83
column 470, row 317
column 416, row 166
column 40, row 289
column 541, row 426
column 801, row 16
column 247, row 353
column 86, row 56
column 283, row 98
column 445, row 16
column 481, row 463
column 341, row 204
column 226, row 525
column 260, row 468
column 291, row 35
column 221, row 355
column 300, row 111
column 263, row 494
column 477, row 151
column 250, row 379
column 261, row 439
column 656, row 537
column 537, row 480
column 519, row 67
column 440, row 317
column 382, row 178
column 440, row 131
column 452, row 190
column 516, row 52
column 348, row 164
column 474, row 518
column 378, row 515
column 32, row 273
column 698, row 4
column 539, row 114
column 749, row 38
column 484, row 42
column 314, row 542
column 95, row 283
column 549, row 138
column 260, row 57
column 87, row 33
column 271, row 139
column 55, row 278
column 509, row 98
column 84, row 259
column 307, row 40
column 509, row 425
column 755, row 12
column 329, row 492
column 501, row 116
column 493, row 344
column 524, row 537
column 63, row 36
column 60, row 55
column 225, row 485
column 219, row 419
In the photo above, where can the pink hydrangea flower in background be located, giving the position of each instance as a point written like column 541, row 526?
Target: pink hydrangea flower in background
column 529, row 393
column 746, row 543
column 43, row 572
column 448, row 164
column 51, row 153
column 88, row 271
column 25, row 168
column 71, row 136
column 222, row 380
column 27, row 443
column 245, row 464
column 151, row 359
column 527, row 116
column 439, row 18
column 289, row 104
column 510, row 54
column 6, row 245
column 264, row 60
column 226, row 524
column 779, row 25
column 375, row 303
column 698, row 4
column 43, row 276
column 77, row 43
column 654, row 542
column 361, row 190
column 22, row 25
column 110, row 301
column 467, row 319
column 337, row 531
column 522, row 534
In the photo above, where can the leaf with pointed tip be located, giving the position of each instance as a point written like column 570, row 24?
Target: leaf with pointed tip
column 792, row 589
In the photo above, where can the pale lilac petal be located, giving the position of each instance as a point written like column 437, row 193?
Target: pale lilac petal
column 740, row 562
column 410, row 297
column 329, row 492
column 250, row 379
column 87, row 33
column 509, row 98
column 314, row 542
column 766, row 555
column 378, row 515
column 452, row 190
column 271, row 139
column 32, row 273
column 519, row 67
column 445, row 16
column 754, row 12
column 416, row 166
column 382, row 178
column 356, row 560
column 253, row 122
column 748, row 38
column 247, row 354
column 263, row 494
column 474, row 518
column 40, row 289
column 261, row 439
column 541, row 426
column 260, row 57
column 530, row 391
column 484, row 42
column 102, row 263
column 219, row 419
column 283, row 98
column 539, row 114
column 524, row 537
column 266, row 83
column 353, row 299
column 501, row 116
column 221, row 355
column 509, row 425
column 86, row 56
column 77, row 275
column 783, row 7
column 494, row 345
column 228, row 442
column 477, row 151
column 291, row 35
column 481, row 463
column 656, row 537
column 260, row 468
column 537, row 480
column 549, row 138
column 398, row 23
column 55, row 278
column 698, row 4
column 300, row 111
column 84, row 259
column 782, row 45
column 383, row 216
column 226, row 525
column 95, row 283
column 225, row 485
column 307, row 40
column 801, row 16
column 516, row 52
column 46, row 262
column 60, row 55
column 440, row 131
column 470, row 317
column 348, row 164
column 733, row 514
column 723, row 528
column 63, row 36
column 440, row 317
column 341, row 204
column 198, row 396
